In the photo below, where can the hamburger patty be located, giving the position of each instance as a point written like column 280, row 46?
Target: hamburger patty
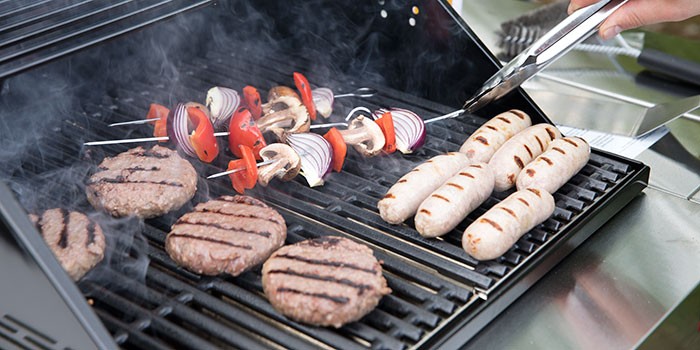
column 142, row 182
column 77, row 241
column 227, row 234
column 326, row 281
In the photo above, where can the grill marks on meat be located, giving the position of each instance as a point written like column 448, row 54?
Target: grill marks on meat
column 226, row 235
column 516, row 153
column 483, row 143
column 327, row 281
column 325, row 263
column 497, row 230
column 405, row 196
column 445, row 208
column 77, row 241
column 63, row 237
column 142, row 182
column 344, row 281
column 552, row 169
column 339, row 300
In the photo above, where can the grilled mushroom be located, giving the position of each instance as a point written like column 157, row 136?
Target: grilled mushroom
column 286, row 165
column 292, row 120
column 364, row 135
column 280, row 98
column 284, row 112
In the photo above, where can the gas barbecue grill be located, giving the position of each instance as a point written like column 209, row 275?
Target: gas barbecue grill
column 418, row 55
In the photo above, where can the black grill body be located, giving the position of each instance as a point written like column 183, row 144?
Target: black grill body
column 418, row 55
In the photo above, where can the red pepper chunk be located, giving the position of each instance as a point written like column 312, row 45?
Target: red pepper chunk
column 386, row 123
column 340, row 149
column 202, row 137
column 244, row 131
column 252, row 100
column 160, row 113
column 247, row 176
column 306, row 95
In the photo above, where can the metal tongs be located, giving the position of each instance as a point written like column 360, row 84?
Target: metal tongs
column 543, row 52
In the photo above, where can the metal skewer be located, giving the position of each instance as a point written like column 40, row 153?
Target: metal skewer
column 361, row 92
column 114, row 142
column 454, row 114
column 327, row 125
column 227, row 172
column 142, row 139
column 141, row 121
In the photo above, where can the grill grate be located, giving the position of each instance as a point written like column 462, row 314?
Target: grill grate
column 33, row 32
column 437, row 288
column 433, row 280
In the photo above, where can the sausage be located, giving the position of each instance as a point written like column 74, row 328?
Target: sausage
column 484, row 142
column 404, row 197
column 518, row 151
column 553, row 168
column 492, row 234
column 445, row 208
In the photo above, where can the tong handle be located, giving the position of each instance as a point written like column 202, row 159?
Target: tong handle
column 571, row 31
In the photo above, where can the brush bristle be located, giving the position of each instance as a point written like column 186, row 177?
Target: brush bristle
column 519, row 33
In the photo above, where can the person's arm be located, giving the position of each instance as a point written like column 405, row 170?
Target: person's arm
column 637, row 13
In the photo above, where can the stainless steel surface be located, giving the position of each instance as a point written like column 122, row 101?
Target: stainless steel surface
column 613, row 116
column 543, row 52
column 602, row 77
column 612, row 290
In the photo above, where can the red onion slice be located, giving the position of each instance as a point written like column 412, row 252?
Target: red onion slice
column 180, row 130
column 323, row 99
column 222, row 102
column 408, row 126
column 316, row 155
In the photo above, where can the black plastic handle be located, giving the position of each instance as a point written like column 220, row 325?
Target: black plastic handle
column 679, row 68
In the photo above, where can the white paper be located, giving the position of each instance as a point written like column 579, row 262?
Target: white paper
column 625, row 146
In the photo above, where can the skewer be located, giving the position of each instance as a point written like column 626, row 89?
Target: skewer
column 357, row 109
column 227, row 172
column 226, row 133
column 360, row 92
column 454, row 114
column 114, row 142
column 141, row 121
column 327, row 125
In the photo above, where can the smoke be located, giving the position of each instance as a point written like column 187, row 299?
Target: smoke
column 48, row 112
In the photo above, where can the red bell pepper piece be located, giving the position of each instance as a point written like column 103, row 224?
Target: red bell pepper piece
column 252, row 100
column 159, row 112
column 202, row 137
column 247, row 177
column 386, row 123
column 306, row 95
column 340, row 149
column 244, row 131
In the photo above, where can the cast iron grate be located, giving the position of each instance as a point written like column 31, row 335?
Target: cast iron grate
column 35, row 31
column 433, row 280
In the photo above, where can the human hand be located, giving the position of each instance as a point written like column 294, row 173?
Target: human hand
column 637, row 13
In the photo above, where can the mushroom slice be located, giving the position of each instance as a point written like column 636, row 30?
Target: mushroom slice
column 365, row 136
column 291, row 120
column 286, row 163
column 279, row 98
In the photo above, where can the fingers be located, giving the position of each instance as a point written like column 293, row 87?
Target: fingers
column 639, row 13
column 577, row 4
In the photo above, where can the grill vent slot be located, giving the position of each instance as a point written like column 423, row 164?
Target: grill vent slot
column 23, row 336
